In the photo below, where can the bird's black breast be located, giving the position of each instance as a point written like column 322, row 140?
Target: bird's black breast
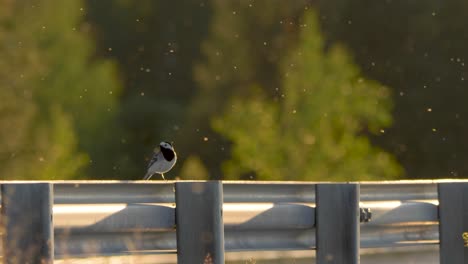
column 168, row 154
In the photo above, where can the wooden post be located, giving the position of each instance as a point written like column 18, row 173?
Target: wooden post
column 453, row 223
column 337, row 225
column 199, row 219
column 27, row 221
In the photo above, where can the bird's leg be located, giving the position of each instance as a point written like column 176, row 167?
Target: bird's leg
column 162, row 175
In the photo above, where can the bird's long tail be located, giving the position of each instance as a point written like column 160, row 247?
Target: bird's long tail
column 147, row 176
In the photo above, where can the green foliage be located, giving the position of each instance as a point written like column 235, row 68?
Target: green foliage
column 55, row 149
column 193, row 169
column 56, row 102
column 419, row 49
column 317, row 129
column 291, row 97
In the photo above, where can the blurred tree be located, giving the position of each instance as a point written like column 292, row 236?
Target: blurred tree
column 317, row 128
column 193, row 169
column 419, row 49
column 58, row 104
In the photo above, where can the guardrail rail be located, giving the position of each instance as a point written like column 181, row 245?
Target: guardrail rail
column 201, row 220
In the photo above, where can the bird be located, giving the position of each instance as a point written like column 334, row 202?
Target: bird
column 162, row 160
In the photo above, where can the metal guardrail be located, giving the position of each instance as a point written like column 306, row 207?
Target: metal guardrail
column 122, row 218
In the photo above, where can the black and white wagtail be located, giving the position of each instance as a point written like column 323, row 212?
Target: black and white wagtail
column 162, row 161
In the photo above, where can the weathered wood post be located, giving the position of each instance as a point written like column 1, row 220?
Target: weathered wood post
column 453, row 222
column 27, row 222
column 337, row 225
column 199, row 219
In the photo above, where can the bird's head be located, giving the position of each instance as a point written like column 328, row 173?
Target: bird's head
column 167, row 150
column 166, row 145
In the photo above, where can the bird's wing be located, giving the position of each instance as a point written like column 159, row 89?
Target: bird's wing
column 153, row 160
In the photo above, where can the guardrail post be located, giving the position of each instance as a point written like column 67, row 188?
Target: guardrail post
column 199, row 219
column 337, row 228
column 453, row 222
column 27, row 221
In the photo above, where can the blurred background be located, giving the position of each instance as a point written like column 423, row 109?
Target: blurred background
column 253, row 90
